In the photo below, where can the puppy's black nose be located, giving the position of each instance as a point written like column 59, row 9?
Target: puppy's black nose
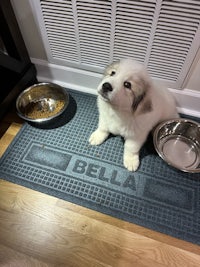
column 107, row 87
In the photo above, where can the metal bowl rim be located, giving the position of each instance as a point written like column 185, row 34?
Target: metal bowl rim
column 155, row 141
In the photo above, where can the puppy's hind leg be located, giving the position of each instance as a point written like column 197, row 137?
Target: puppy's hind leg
column 98, row 137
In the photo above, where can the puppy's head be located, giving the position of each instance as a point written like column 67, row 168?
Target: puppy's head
column 124, row 85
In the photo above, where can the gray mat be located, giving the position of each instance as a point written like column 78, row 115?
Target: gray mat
column 61, row 163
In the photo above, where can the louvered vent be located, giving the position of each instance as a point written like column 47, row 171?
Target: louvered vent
column 176, row 27
column 94, row 27
column 59, row 23
column 133, row 26
column 89, row 34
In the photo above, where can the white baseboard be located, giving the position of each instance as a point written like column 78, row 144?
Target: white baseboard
column 188, row 101
column 76, row 79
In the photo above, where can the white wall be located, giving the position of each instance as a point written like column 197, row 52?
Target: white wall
column 29, row 29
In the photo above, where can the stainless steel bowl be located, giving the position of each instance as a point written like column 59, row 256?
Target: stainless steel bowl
column 178, row 143
column 42, row 102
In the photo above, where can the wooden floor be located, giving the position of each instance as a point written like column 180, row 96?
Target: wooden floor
column 40, row 230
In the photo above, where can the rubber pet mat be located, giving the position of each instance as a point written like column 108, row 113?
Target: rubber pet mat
column 60, row 162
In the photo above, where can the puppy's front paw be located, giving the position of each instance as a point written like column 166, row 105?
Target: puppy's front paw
column 131, row 162
column 97, row 137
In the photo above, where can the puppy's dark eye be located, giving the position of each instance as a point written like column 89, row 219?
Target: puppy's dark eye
column 113, row 73
column 127, row 85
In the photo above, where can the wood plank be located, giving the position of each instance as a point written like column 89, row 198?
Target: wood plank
column 8, row 137
column 12, row 258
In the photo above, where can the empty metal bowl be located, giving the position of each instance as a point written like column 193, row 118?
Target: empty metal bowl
column 177, row 142
column 42, row 102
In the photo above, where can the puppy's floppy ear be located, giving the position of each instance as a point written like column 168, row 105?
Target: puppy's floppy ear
column 112, row 67
column 141, row 101
column 137, row 100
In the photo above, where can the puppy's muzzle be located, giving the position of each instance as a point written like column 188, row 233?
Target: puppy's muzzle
column 106, row 87
column 104, row 91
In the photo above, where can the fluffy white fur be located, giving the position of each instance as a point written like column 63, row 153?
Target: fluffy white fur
column 130, row 105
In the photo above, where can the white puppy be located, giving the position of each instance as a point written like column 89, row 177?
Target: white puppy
column 130, row 105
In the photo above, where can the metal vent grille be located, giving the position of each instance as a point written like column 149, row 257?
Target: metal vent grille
column 176, row 27
column 133, row 26
column 94, row 27
column 89, row 34
column 59, row 23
